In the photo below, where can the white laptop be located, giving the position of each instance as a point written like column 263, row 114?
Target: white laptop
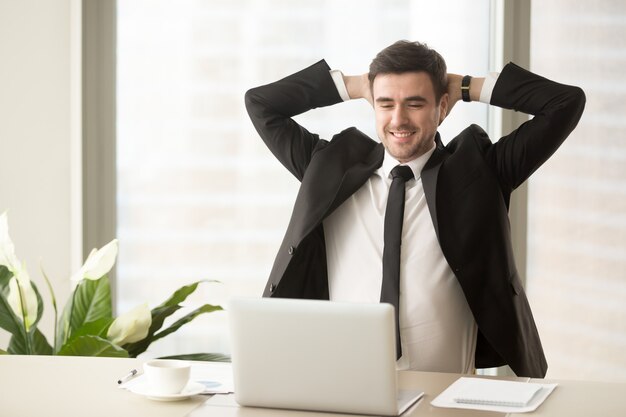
column 316, row 355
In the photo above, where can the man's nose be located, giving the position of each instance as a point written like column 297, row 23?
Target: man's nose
column 399, row 116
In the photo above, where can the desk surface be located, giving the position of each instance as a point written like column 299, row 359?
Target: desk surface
column 76, row 386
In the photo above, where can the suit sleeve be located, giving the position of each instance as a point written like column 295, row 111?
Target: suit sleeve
column 272, row 106
column 556, row 108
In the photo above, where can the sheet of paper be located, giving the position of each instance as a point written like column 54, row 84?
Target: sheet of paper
column 217, row 377
column 464, row 384
column 496, row 392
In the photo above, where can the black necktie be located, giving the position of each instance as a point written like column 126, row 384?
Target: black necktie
column 394, row 215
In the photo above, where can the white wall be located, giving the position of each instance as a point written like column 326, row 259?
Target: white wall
column 40, row 139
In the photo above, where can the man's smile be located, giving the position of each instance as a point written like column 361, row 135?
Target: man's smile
column 402, row 134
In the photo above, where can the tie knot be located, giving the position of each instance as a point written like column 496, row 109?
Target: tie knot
column 402, row 171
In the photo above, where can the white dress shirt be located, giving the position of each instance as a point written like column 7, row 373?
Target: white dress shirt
column 437, row 329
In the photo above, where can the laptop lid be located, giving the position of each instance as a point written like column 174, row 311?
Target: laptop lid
column 315, row 355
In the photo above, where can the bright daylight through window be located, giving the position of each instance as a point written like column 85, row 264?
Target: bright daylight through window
column 199, row 195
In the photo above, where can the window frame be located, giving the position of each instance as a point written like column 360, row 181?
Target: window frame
column 99, row 67
column 509, row 41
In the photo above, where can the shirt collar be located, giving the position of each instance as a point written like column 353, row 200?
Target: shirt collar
column 416, row 165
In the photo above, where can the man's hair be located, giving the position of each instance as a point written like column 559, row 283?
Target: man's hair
column 404, row 56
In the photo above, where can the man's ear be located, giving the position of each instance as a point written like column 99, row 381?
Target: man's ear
column 443, row 108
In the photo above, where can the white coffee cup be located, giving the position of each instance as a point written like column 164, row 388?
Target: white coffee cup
column 166, row 377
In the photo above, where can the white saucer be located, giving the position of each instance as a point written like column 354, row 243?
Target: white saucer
column 192, row 388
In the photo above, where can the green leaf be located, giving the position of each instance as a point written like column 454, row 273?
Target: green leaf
column 31, row 343
column 54, row 304
column 8, row 320
column 38, row 344
column 182, row 293
column 92, row 302
column 210, row 357
column 92, row 346
column 94, row 328
column 207, row 308
column 134, row 349
column 5, row 276
column 39, row 304
column 63, row 325
column 3, row 352
column 159, row 314
column 17, row 345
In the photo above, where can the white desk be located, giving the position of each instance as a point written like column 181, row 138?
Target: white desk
column 73, row 386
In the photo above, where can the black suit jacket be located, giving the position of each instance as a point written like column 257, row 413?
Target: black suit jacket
column 467, row 184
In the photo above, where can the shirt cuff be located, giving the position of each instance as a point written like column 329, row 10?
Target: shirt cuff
column 341, row 86
column 490, row 82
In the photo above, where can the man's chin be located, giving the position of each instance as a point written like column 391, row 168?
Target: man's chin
column 401, row 155
column 405, row 153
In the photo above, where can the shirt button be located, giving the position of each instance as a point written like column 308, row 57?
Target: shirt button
column 291, row 250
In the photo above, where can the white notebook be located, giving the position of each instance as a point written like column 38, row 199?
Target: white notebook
column 494, row 392
column 494, row 395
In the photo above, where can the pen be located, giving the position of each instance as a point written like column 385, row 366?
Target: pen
column 128, row 376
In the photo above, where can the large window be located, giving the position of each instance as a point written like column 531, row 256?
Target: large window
column 199, row 195
column 577, row 201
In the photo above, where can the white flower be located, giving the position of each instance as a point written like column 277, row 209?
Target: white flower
column 130, row 327
column 98, row 263
column 20, row 278
column 20, row 283
column 7, row 249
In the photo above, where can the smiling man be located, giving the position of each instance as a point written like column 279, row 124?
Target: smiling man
column 408, row 220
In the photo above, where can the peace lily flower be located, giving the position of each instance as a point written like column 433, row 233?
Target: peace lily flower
column 98, row 263
column 7, row 249
column 130, row 327
column 21, row 291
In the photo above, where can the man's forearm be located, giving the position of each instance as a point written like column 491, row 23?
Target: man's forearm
column 358, row 86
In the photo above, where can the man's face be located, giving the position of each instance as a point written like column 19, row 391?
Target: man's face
column 407, row 114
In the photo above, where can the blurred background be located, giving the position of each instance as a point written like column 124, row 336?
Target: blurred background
column 126, row 119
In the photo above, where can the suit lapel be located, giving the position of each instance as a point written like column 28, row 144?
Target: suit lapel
column 429, row 180
column 312, row 211
column 356, row 176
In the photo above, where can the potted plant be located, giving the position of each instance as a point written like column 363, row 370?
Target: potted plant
column 85, row 326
